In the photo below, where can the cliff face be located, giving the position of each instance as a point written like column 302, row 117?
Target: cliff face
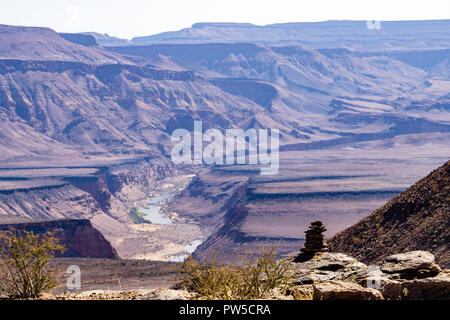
column 227, row 237
column 102, row 194
column 75, row 107
column 417, row 219
column 79, row 236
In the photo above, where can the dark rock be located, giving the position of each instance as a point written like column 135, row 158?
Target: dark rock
column 314, row 242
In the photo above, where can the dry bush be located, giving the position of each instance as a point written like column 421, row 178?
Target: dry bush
column 249, row 277
column 23, row 263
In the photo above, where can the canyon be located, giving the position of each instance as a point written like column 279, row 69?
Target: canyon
column 86, row 124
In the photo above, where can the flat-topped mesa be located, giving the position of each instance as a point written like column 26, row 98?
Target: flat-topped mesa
column 314, row 240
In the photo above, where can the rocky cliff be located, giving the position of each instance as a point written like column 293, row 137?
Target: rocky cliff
column 79, row 236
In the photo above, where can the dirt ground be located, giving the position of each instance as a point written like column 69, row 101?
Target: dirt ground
column 108, row 274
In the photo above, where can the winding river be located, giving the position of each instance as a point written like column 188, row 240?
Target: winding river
column 152, row 210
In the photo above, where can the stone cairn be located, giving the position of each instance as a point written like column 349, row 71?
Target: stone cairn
column 315, row 242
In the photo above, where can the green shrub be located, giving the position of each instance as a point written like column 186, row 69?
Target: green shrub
column 249, row 277
column 24, row 258
column 137, row 216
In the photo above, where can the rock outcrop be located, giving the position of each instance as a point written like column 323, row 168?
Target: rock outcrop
column 326, row 266
column 336, row 276
column 79, row 236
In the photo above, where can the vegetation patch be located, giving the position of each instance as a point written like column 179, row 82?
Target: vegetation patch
column 249, row 277
column 24, row 257
column 137, row 216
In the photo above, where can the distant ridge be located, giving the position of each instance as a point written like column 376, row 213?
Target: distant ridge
column 421, row 34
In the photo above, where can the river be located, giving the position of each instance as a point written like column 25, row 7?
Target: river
column 151, row 212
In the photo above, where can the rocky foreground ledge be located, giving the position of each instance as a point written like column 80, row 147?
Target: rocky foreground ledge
column 327, row 276
column 336, row 276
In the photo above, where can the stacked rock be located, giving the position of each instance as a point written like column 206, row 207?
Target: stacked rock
column 314, row 242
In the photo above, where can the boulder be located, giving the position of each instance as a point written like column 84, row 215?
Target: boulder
column 342, row 290
column 325, row 266
column 411, row 265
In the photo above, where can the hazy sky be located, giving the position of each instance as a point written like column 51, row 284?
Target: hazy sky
column 130, row 18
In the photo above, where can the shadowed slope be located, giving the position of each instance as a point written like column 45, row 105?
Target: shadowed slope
column 417, row 219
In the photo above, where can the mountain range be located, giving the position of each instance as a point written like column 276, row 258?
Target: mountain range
column 364, row 35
